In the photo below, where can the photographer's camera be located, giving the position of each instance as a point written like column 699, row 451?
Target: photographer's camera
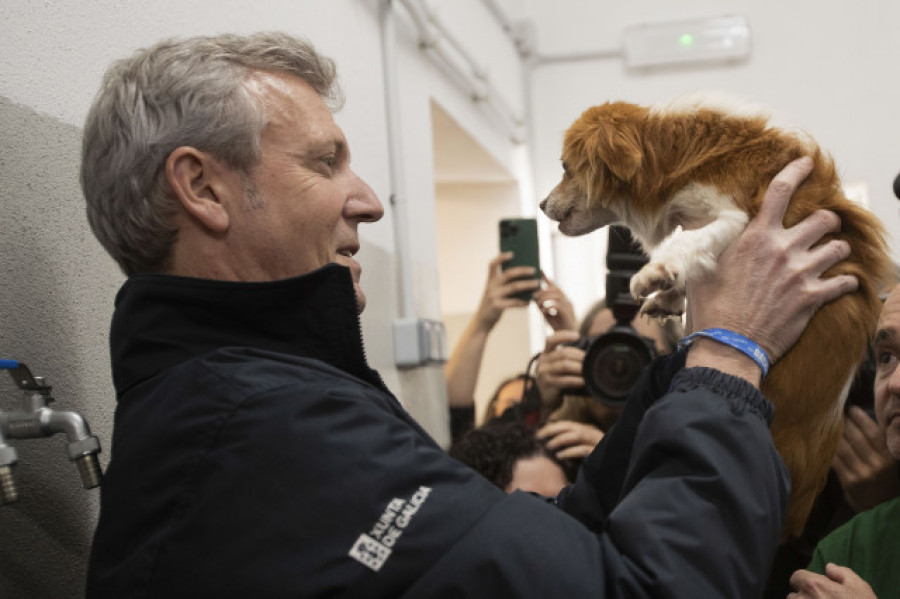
column 614, row 360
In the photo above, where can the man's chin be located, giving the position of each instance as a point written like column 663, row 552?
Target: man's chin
column 360, row 298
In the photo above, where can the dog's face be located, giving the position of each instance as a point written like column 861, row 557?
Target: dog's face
column 601, row 154
column 568, row 203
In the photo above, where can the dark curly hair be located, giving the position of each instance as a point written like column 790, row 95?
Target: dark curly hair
column 493, row 449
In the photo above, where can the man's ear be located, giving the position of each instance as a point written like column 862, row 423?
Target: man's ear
column 195, row 179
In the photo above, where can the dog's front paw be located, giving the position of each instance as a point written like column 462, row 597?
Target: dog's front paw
column 660, row 288
column 663, row 305
column 654, row 277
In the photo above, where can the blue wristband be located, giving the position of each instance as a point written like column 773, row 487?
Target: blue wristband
column 734, row 340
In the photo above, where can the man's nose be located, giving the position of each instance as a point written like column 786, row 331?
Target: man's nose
column 364, row 204
column 894, row 381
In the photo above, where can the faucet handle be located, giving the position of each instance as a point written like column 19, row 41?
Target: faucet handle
column 22, row 377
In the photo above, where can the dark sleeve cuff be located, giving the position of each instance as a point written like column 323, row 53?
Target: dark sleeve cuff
column 601, row 478
column 740, row 395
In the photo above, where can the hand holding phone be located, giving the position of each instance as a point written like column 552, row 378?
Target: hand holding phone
column 519, row 236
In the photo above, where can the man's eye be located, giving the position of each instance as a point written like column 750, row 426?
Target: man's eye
column 885, row 360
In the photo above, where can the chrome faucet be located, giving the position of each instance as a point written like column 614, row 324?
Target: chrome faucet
column 36, row 420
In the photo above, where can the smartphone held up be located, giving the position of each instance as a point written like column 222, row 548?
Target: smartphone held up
column 519, row 236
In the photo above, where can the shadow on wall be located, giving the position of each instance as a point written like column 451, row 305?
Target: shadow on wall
column 57, row 287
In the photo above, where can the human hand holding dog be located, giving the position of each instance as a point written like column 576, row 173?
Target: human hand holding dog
column 768, row 283
column 838, row 583
column 863, row 464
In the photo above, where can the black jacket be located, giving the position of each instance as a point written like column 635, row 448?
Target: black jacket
column 255, row 454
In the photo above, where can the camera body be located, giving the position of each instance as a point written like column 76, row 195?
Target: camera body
column 614, row 360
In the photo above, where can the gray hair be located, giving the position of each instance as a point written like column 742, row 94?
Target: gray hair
column 186, row 92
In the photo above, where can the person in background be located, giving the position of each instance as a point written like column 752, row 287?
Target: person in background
column 570, row 439
column 508, row 393
column 664, row 335
column 859, row 559
column 867, row 471
column 464, row 364
column 510, row 455
column 576, row 423
column 863, row 474
column 255, row 452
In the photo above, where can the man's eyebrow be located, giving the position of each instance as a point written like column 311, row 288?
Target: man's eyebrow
column 325, row 146
column 883, row 335
column 336, row 145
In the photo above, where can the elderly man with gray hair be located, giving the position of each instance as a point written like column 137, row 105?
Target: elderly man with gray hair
column 256, row 453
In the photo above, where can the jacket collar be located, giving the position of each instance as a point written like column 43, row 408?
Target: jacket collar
column 162, row 320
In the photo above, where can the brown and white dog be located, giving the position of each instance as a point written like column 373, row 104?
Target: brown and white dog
column 686, row 179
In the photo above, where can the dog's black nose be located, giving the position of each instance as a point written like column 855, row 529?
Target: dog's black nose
column 543, row 203
column 897, row 186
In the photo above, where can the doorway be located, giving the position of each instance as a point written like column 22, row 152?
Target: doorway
column 473, row 191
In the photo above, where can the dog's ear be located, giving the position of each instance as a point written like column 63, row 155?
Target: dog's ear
column 611, row 136
column 620, row 149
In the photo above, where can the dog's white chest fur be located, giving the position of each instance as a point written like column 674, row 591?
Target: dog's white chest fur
column 684, row 242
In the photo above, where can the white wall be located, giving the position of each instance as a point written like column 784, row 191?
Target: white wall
column 58, row 286
column 831, row 71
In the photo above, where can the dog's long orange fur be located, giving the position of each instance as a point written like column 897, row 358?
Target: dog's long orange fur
column 623, row 152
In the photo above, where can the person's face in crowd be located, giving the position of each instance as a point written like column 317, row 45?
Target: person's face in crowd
column 604, row 414
column 538, row 474
column 887, row 375
column 645, row 327
column 509, row 395
column 303, row 203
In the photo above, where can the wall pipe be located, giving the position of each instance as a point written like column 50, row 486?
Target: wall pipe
column 496, row 11
column 398, row 199
column 545, row 59
column 472, row 77
column 526, row 51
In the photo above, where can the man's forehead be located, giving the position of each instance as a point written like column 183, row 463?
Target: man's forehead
column 274, row 85
column 889, row 321
column 284, row 92
column 290, row 101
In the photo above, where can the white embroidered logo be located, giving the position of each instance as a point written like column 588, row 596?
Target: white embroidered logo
column 369, row 552
column 372, row 550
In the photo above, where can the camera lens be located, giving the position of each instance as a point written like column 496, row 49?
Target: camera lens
column 613, row 363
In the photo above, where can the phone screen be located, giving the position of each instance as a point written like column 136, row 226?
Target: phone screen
column 519, row 236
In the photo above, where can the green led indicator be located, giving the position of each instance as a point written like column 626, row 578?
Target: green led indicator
column 686, row 40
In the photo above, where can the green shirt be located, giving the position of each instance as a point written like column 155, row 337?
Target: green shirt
column 869, row 544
